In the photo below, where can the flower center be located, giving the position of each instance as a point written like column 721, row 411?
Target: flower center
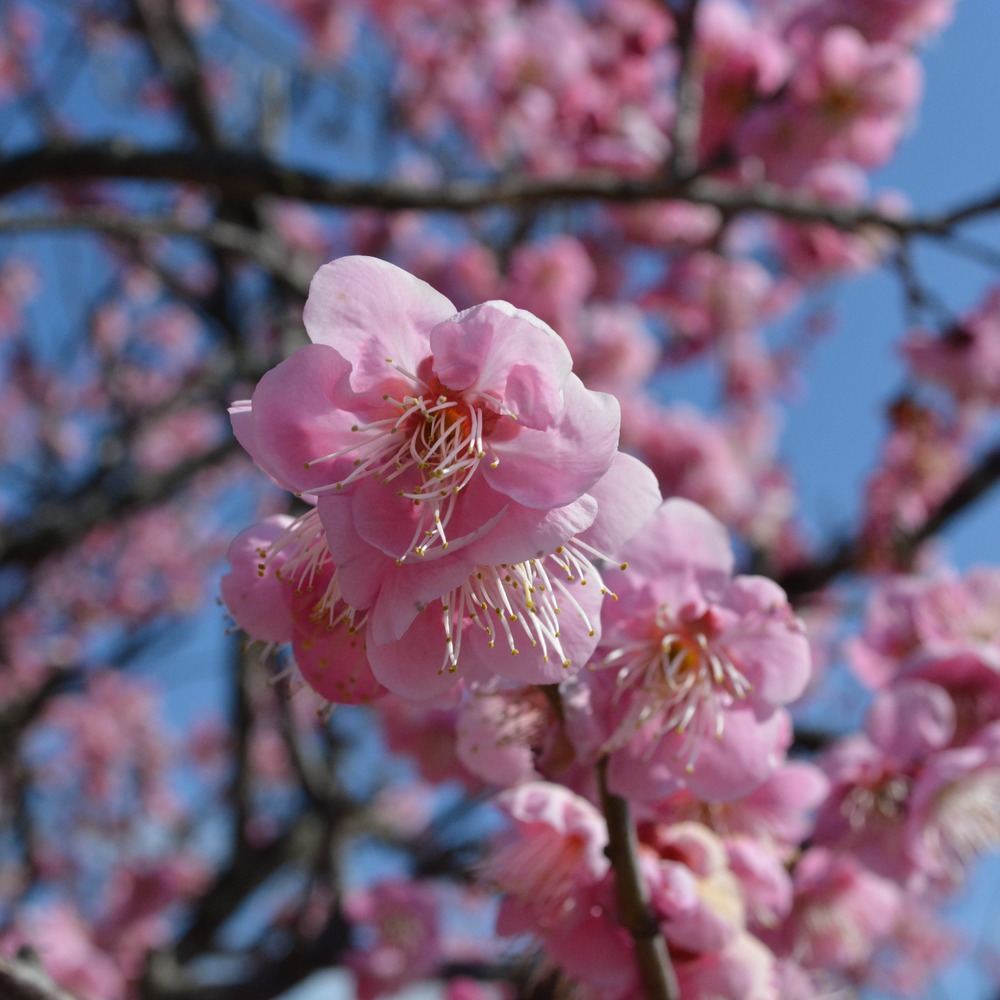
column 682, row 680
column 879, row 803
column 435, row 431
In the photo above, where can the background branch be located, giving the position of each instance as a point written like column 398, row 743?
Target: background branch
column 242, row 175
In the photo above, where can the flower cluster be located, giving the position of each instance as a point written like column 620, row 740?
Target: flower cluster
column 463, row 484
column 473, row 539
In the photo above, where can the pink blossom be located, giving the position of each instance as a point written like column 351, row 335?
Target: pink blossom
column 426, row 629
column 498, row 732
column 743, row 970
column 398, row 389
column 954, row 815
column 913, row 619
column 965, row 358
column 924, row 457
column 693, row 891
column 743, row 62
column 692, row 456
column 903, row 21
column 706, row 297
column 840, row 915
column 550, row 860
column 703, row 661
column 872, row 776
column 403, row 916
column 818, row 251
column 253, row 591
column 612, row 348
column 62, row 938
column 847, row 99
column 777, row 813
column 282, row 587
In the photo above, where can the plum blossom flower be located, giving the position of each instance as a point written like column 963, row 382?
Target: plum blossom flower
column 398, row 389
column 465, row 483
column 550, row 860
column 282, row 587
column 965, row 359
column 840, row 914
column 702, row 662
column 955, row 806
column 402, row 918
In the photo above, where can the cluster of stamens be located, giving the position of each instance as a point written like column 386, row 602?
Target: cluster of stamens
column 681, row 680
column 965, row 820
column 306, row 564
column 883, row 801
column 514, row 603
column 436, row 434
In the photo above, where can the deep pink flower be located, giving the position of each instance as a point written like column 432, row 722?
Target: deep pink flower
column 282, row 587
column 403, row 917
column 965, row 358
column 522, row 601
column 955, row 807
column 465, row 481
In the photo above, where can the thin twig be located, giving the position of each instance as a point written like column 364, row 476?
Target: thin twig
column 229, row 236
column 846, row 555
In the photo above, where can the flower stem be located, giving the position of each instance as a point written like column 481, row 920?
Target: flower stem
column 655, row 968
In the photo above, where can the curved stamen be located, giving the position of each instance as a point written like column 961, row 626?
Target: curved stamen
column 517, row 600
column 682, row 681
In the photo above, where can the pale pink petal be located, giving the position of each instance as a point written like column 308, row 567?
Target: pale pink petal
column 370, row 310
column 528, row 533
column 769, row 644
column 627, row 496
column 297, row 419
column 681, row 533
column 506, row 355
column 414, row 666
column 254, row 595
column 911, row 719
column 394, row 523
column 407, row 590
column 361, row 568
column 485, row 746
column 553, row 467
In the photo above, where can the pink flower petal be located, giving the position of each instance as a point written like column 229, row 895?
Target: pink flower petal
column 370, row 310
column 553, row 467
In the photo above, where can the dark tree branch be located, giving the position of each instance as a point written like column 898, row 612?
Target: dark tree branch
column 57, row 524
column 175, row 53
column 244, row 241
column 655, row 969
column 847, row 555
column 165, row 980
column 245, row 176
column 687, row 112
